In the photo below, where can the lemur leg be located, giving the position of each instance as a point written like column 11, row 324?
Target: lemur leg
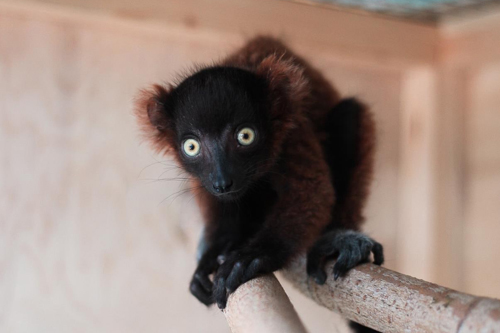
column 349, row 247
column 203, row 246
column 209, row 255
column 349, row 151
column 245, row 264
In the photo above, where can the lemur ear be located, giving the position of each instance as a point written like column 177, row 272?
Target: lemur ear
column 288, row 90
column 153, row 109
column 154, row 103
column 287, row 86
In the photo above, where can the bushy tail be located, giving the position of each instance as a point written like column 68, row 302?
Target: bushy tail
column 349, row 150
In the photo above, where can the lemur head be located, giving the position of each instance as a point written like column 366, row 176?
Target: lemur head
column 224, row 125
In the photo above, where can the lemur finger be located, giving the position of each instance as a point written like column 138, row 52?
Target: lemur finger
column 365, row 248
column 200, row 293
column 235, row 278
column 220, row 293
column 378, row 253
column 315, row 269
column 340, row 266
column 253, row 269
column 221, row 258
column 204, row 281
column 355, row 257
column 319, row 276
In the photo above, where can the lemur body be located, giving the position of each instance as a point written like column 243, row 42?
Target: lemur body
column 281, row 163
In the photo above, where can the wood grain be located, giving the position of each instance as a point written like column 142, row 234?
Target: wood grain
column 392, row 302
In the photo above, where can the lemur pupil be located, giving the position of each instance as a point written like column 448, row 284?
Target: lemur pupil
column 245, row 136
column 191, row 147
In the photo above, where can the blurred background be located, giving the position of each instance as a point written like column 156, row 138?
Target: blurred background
column 94, row 239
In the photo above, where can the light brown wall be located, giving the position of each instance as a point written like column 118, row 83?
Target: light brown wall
column 482, row 215
column 87, row 241
column 469, row 177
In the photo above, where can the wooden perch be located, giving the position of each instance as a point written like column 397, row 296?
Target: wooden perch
column 262, row 306
column 370, row 295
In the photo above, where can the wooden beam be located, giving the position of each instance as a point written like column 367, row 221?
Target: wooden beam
column 416, row 226
column 340, row 34
column 470, row 41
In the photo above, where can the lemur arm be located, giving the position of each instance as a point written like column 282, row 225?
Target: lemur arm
column 219, row 236
column 349, row 149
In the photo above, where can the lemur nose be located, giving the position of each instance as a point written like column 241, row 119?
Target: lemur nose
column 222, row 186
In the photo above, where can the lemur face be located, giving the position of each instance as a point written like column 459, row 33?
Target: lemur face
column 222, row 129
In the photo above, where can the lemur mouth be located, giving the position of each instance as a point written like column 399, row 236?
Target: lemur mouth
column 230, row 195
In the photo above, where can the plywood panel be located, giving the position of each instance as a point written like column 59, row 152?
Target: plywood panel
column 87, row 242
column 482, row 246
column 451, row 177
column 345, row 35
column 416, row 206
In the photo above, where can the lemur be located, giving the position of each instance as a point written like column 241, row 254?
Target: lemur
column 282, row 165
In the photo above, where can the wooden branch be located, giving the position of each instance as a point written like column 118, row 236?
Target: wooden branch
column 370, row 295
column 392, row 302
column 261, row 305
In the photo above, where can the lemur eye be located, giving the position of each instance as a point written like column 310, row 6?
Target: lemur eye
column 246, row 136
column 191, row 147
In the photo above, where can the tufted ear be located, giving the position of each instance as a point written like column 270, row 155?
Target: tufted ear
column 287, row 86
column 288, row 90
column 153, row 110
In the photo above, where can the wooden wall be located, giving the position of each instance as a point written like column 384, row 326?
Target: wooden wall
column 468, row 216
column 90, row 240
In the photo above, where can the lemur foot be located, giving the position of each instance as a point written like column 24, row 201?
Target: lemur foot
column 238, row 268
column 201, row 286
column 209, row 260
column 349, row 247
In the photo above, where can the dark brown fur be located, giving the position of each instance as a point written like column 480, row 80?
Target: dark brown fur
column 316, row 97
column 306, row 154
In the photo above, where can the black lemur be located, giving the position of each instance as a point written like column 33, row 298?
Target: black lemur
column 282, row 165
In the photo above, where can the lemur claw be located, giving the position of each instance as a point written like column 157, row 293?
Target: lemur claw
column 201, row 287
column 349, row 247
column 237, row 269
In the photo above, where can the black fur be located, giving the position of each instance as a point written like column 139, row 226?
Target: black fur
column 211, row 106
column 303, row 180
column 350, row 248
column 238, row 222
column 342, row 144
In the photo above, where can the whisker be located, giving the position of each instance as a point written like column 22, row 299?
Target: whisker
column 179, row 193
column 147, row 166
column 152, row 180
column 164, row 172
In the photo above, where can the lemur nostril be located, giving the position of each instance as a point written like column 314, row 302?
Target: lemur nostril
column 221, row 187
column 228, row 186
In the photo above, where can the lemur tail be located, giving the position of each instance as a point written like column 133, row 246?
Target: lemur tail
column 349, row 151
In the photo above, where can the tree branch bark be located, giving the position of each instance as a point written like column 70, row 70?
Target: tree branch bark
column 370, row 295
column 262, row 306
